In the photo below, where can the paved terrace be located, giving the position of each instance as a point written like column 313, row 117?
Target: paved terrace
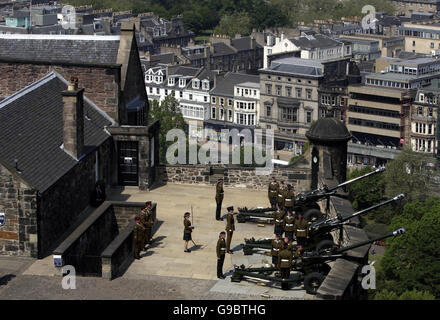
column 165, row 260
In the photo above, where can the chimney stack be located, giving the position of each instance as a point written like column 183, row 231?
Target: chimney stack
column 73, row 119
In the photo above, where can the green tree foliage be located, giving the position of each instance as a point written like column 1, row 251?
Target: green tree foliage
column 411, row 262
column 231, row 24
column 408, row 174
column 170, row 118
column 406, row 295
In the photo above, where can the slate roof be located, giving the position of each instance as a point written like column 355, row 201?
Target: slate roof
column 60, row 48
column 32, row 131
column 243, row 43
column 222, row 49
column 314, row 41
column 295, row 66
column 225, row 85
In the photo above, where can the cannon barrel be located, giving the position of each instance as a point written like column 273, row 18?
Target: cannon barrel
column 343, row 184
column 395, row 233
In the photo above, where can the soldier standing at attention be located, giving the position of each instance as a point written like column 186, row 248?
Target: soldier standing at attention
column 230, row 228
column 221, row 249
column 277, row 246
column 301, row 227
column 138, row 238
column 146, row 217
column 289, row 228
column 187, row 230
column 285, row 258
column 273, row 192
column 281, row 192
column 289, row 243
column 219, row 198
column 289, row 198
column 278, row 221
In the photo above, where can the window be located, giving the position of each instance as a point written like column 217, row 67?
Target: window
column 213, row 99
column 181, row 94
column 278, row 88
column 308, row 116
column 196, row 84
column 268, row 111
column 190, row 96
column 268, row 89
column 420, row 111
column 298, row 92
column 289, row 91
column 414, row 43
column 222, row 114
column 230, row 102
column 430, row 112
column 289, row 114
column 432, row 44
column 222, row 101
column 205, row 98
column 151, row 90
column 309, row 94
column 157, row 90
column 229, row 115
column 213, row 113
column 166, row 92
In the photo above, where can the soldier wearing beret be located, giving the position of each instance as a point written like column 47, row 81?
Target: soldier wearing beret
column 230, row 228
column 219, row 198
column 281, row 192
column 277, row 246
column 187, row 230
column 138, row 238
column 301, row 227
column 273, row 192
column 285, row 259
column 221, row 251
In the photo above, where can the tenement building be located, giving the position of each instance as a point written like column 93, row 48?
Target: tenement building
column 423, row 36
column 58, row 139
column 294, row 92
column 409, row 7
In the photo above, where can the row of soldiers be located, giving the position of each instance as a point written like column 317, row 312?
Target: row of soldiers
column 281, row 195
column 142, row 230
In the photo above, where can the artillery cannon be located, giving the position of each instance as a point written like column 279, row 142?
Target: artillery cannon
column 306, row 202
column 319, row 231
column 311, row 268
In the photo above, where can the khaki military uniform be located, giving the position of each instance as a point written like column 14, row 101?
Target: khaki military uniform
column 285, row 259
column 230, row 228
column 278, row 221
column 281, row 193
column 138, row 239
column 219, row 193
column 147, row 222
column 187, row 230
column 273, row 193
column 289, row 228
column 277, row 246
column 301, row 227
column 221, row 251
column 289, row 199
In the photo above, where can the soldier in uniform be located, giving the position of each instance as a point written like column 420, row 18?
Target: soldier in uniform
column 138, row 238
column 277, row 246
column 221, row 250
column 279, row 221
column 288, row 243
column 281, row 192
column 289, row 221
column 289, row 198
column 285, row 258
column 273, row 192
column 301, row 227
column 187, row 230
column 230, row 228
column 219, row 198
column 146, row 217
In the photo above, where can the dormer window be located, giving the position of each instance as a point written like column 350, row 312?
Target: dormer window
column 182, row 82
column 196, row 84
column 148, row 78
column 171, row 81
column 205, row 85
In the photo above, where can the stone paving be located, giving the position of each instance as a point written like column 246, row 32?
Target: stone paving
column 165, row 258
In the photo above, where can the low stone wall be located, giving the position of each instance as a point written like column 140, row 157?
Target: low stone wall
column 119, row 254
column 233, row 176
column 108, row 226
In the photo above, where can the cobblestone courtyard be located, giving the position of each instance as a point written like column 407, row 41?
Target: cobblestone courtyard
column 165, row 271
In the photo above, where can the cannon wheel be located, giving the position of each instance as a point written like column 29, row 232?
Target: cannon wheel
column 247, row 251
column 325, row 244
column 312, row 282
column 313, row 215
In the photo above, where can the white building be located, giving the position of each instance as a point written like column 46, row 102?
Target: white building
column 247, row 103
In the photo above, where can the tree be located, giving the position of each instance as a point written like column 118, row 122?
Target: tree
column 170, row 118
column 408, row 174
column 411, row 261
column 231, row 24
column 407, row 295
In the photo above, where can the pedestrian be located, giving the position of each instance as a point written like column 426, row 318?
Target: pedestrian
column 188, row 229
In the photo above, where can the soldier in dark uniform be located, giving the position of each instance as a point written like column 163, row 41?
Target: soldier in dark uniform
column 187, row 230
column 138, row 238
column 280, row 196
column 288, row 243
column 147, row 222
column 278, row 220
column 285, row 258
column 277, row 246
column 289, row 221
column 289, row 198
column 230, row 228
column 301, row 227
column 221, row 250
column 273, row 192
column 219, row 198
